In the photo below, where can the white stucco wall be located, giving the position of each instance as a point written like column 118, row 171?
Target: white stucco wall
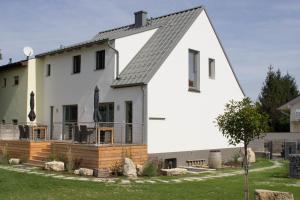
column 189, row 116
column 129, row 46
column 65, row 88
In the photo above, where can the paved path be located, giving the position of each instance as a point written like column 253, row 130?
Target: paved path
column 32, row 170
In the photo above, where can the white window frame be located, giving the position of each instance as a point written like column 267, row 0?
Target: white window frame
column 211, row 68
column 196, row 68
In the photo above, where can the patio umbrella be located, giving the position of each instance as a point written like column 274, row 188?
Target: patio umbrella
column 31, row 114
column 96, row 116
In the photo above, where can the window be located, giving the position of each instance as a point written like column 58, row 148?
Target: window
column 70, row 114
column 100, row 59
column 194, row 70
column 15, row 121
column 48, row 70
column 211, row 68
column 76, row 64
column 107, row 112
column 16, row 80
column 3, row 121
column 4, row 82
column 128, row 120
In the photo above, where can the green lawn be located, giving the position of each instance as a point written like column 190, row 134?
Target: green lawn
column 15, row 185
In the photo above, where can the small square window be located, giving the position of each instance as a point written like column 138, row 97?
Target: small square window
column 3, row 121
column 76, row 64
column 16, row 80
column 48, row 70
column 100, row 59
column 211, row 68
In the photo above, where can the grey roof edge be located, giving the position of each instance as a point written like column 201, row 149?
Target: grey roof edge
column 71, row 47
column 136, row 31
column 287, row 104
column 154, row 18
column 128, row 85
column 167, row 53
column 14, row 64
column 227, row 58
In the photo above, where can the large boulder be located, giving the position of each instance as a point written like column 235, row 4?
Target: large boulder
column 85, row 172
column 129, row 169
column 14, row 161
column 272, row 195
column 174, row 171
column 250, row 155
column 55, row 166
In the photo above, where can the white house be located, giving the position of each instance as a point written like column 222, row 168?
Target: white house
column 293, row 108
column 169, row 77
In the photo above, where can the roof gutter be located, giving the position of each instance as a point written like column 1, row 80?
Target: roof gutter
column 117, row 54
column 71, row 48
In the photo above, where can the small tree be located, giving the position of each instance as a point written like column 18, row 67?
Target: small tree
column 241, row 123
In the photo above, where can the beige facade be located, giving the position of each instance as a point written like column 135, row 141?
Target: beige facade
column 17, row 80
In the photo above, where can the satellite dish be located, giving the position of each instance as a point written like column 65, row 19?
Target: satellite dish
column 28, row 51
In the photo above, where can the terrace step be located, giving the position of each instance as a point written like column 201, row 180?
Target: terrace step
column 36, row 163
column 39, row 158
column 45, row 154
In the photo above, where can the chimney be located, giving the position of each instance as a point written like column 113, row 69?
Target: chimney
column 9, row 60
column 140, row 18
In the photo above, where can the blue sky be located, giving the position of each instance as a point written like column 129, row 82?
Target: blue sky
column 255, row 33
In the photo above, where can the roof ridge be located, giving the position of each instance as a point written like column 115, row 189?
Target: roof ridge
column 151, row 19
column 177, row 12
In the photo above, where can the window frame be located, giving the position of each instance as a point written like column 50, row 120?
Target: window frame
column 211, row 68
column 196, row 70
column 76, row 69
column 109, row 115
column 100, row 60
column 16, row 80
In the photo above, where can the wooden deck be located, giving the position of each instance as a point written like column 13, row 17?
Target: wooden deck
column 91, row 156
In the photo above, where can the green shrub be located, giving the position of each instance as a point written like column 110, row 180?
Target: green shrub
column 52, row 156
column 69, row 163
column 117, row 168
column 150, row 169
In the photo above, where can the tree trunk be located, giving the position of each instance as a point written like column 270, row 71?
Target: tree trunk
column 246, row 185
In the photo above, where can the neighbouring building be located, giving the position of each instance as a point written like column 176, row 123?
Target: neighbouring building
column 18, row 80
column 167, row 77
column 293, row 109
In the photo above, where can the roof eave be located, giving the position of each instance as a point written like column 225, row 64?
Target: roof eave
column 127, row 85
column 71, row 48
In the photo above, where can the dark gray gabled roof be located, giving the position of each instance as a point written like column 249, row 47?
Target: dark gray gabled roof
column 147, row 61
column 170, row 29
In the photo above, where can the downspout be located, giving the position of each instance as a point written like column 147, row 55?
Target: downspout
column 117, row 62
column 143, row 113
